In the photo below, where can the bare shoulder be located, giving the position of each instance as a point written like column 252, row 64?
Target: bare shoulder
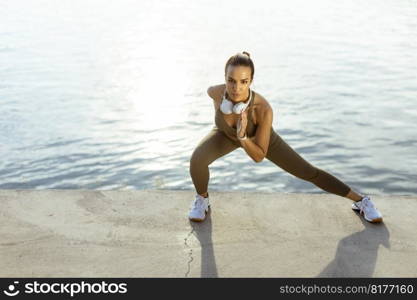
column 216, row 91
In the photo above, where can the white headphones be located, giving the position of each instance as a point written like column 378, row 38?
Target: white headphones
column 227, row 106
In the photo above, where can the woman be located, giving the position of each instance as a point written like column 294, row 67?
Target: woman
column 244, row 119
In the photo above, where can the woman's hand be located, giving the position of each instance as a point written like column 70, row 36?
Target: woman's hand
column 241, row 124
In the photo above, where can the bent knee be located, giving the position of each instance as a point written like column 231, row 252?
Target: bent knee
column 199, row 157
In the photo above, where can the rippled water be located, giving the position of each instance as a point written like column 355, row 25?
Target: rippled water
column 100, row 95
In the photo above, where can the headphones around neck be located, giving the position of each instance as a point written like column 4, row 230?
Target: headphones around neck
column 227, row 107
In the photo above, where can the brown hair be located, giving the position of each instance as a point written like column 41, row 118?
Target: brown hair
column 240, row 59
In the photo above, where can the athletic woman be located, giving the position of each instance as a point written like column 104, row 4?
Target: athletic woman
column 243, row 118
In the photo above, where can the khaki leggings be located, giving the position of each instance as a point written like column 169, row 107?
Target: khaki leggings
column 216, row 144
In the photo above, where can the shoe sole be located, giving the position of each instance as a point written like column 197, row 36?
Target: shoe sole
column 197, row 220
column 377, row 220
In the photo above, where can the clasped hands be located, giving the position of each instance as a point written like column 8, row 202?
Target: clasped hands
column 242, row 122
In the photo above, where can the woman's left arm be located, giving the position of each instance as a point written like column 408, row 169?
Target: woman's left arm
column 257, row 147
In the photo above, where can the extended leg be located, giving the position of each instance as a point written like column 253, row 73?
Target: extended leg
column 286, row 158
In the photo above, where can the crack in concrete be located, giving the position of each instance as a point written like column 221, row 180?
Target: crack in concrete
column 190, row 253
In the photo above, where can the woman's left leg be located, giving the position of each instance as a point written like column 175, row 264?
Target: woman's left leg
column 281, row 154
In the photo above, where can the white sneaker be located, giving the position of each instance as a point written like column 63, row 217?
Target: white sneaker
column 367, row 208
column 199, row 209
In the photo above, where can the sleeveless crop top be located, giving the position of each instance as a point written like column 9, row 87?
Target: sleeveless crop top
column 229, row 131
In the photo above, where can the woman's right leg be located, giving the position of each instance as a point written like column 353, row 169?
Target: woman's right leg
column 212, row 146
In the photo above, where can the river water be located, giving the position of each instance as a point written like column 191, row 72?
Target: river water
column 112, row 95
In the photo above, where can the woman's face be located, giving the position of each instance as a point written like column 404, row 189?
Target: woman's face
column 238, row 80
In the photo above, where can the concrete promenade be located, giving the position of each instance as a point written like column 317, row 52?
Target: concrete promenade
column 143, row 233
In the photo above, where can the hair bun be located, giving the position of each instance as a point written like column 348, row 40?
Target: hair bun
column 244, row 52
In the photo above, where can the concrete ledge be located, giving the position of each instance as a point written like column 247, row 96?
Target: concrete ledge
column 85, row 233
